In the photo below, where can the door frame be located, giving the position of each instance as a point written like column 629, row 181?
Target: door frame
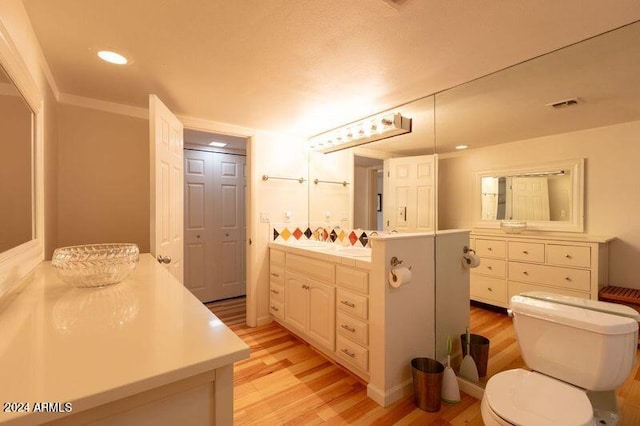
column 243, row 132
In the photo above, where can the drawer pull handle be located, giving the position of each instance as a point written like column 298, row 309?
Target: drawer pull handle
column 567, row 278
column 348, row 353
column 275, row 275
column 525, row 272
column 568, row 256
column 349, row 304
column 489, row 288
column 306, row 287
column 275, row 291
column 346, row 327
column 525, row 252
column 275, row 309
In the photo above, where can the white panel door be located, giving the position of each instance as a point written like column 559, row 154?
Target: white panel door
column 530, row 198
column 215, row 225
column 167, row 175
column 409, row 190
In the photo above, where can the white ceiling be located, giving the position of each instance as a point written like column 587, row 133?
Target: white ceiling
column 300, row 66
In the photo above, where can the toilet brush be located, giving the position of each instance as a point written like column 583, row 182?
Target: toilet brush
column 468, row 368
column 450, row 389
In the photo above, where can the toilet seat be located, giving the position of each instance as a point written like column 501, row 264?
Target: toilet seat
column 528, row 398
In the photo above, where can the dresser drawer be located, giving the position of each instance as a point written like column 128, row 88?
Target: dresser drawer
column 277, row 309
column 276, row 257
column 276, row 292
column 353, row 304
column 572, row 279
column 578, row 256
column 352, row 279
column 352, row 328
column 487, row 288
column 276, row 274
column 313, row 268
column 492, row 267
column 530, row 252
column 352, row 353
column 518, row 287
column 490, row 248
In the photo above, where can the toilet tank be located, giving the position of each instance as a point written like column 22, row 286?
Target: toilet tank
column 586, row 345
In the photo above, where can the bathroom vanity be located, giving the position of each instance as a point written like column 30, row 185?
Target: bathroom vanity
column 141, row 352
column 572, row 265
column 340, row 300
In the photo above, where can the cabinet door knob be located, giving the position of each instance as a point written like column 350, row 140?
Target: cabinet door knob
column 489, row 249
column 489, row 268
column 568, row 256
column 525, row 272
column 567, row 278
column 489, row 288
column 525, row 252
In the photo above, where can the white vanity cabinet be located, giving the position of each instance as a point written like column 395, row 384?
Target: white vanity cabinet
column 310, row 299
column 511, row 264
column 352, row 317
column 276, row 283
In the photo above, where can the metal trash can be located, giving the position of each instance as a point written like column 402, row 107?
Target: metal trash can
column 427, row 383
column 479, row 348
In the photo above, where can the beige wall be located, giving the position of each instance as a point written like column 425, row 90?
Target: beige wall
column 103, row 183
column 612, row 198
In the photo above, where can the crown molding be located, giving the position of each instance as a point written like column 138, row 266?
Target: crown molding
column 128, row 110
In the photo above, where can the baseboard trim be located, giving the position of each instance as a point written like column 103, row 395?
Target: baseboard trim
column 390, row 396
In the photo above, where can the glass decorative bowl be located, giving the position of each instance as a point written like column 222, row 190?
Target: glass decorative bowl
column 95, row 265
column 513, row 226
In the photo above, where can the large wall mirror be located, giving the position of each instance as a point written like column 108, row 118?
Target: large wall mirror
column 21, row 167
column 570, row 113
column 368, row 201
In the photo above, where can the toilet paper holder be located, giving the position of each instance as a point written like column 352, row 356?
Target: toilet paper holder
column 395, row 262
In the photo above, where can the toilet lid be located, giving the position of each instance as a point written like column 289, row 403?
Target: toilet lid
column 528, row 398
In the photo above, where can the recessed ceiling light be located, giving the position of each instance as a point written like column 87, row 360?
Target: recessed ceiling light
column 218, row 144
column 112, row 57
column 462, row 146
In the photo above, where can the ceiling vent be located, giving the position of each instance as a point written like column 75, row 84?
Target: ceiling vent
column 564, row 103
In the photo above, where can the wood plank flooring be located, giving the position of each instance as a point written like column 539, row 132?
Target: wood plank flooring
column 287, row 382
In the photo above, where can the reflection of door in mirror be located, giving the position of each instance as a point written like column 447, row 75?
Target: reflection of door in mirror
column 539, row 198
column 409, row 194
column 16, row 216
column 367, row 189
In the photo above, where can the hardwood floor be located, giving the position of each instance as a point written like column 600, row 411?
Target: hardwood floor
column 286, row 382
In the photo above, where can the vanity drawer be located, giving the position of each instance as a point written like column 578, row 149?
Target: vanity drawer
column 352, row 328
column 578, row 256
column 276, row 292
column 276, row 257
column 276, row 274
column 518, row 287
column 487, row 288
column 490, row 248
column 529, row 252
column 492, row 267
column 277, row 309
column 313, row 268
column 572, row 279
column 352, row 279
column 352, row 353
column 353, row 304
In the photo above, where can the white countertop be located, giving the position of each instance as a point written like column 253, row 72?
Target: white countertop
column 93, row 346
column 328, row 251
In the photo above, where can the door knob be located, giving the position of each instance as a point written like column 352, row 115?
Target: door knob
column 164, row 259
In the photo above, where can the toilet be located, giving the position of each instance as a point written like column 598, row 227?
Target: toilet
column 580, row 351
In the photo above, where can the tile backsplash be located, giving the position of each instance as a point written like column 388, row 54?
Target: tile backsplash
column 290, row 232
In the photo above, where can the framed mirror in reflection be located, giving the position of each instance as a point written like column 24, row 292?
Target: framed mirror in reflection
column 16, row 166
column 547, row 197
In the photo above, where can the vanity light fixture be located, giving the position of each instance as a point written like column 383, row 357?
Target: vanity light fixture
column 361, row 132
column 112, row 57
column 218, row 144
